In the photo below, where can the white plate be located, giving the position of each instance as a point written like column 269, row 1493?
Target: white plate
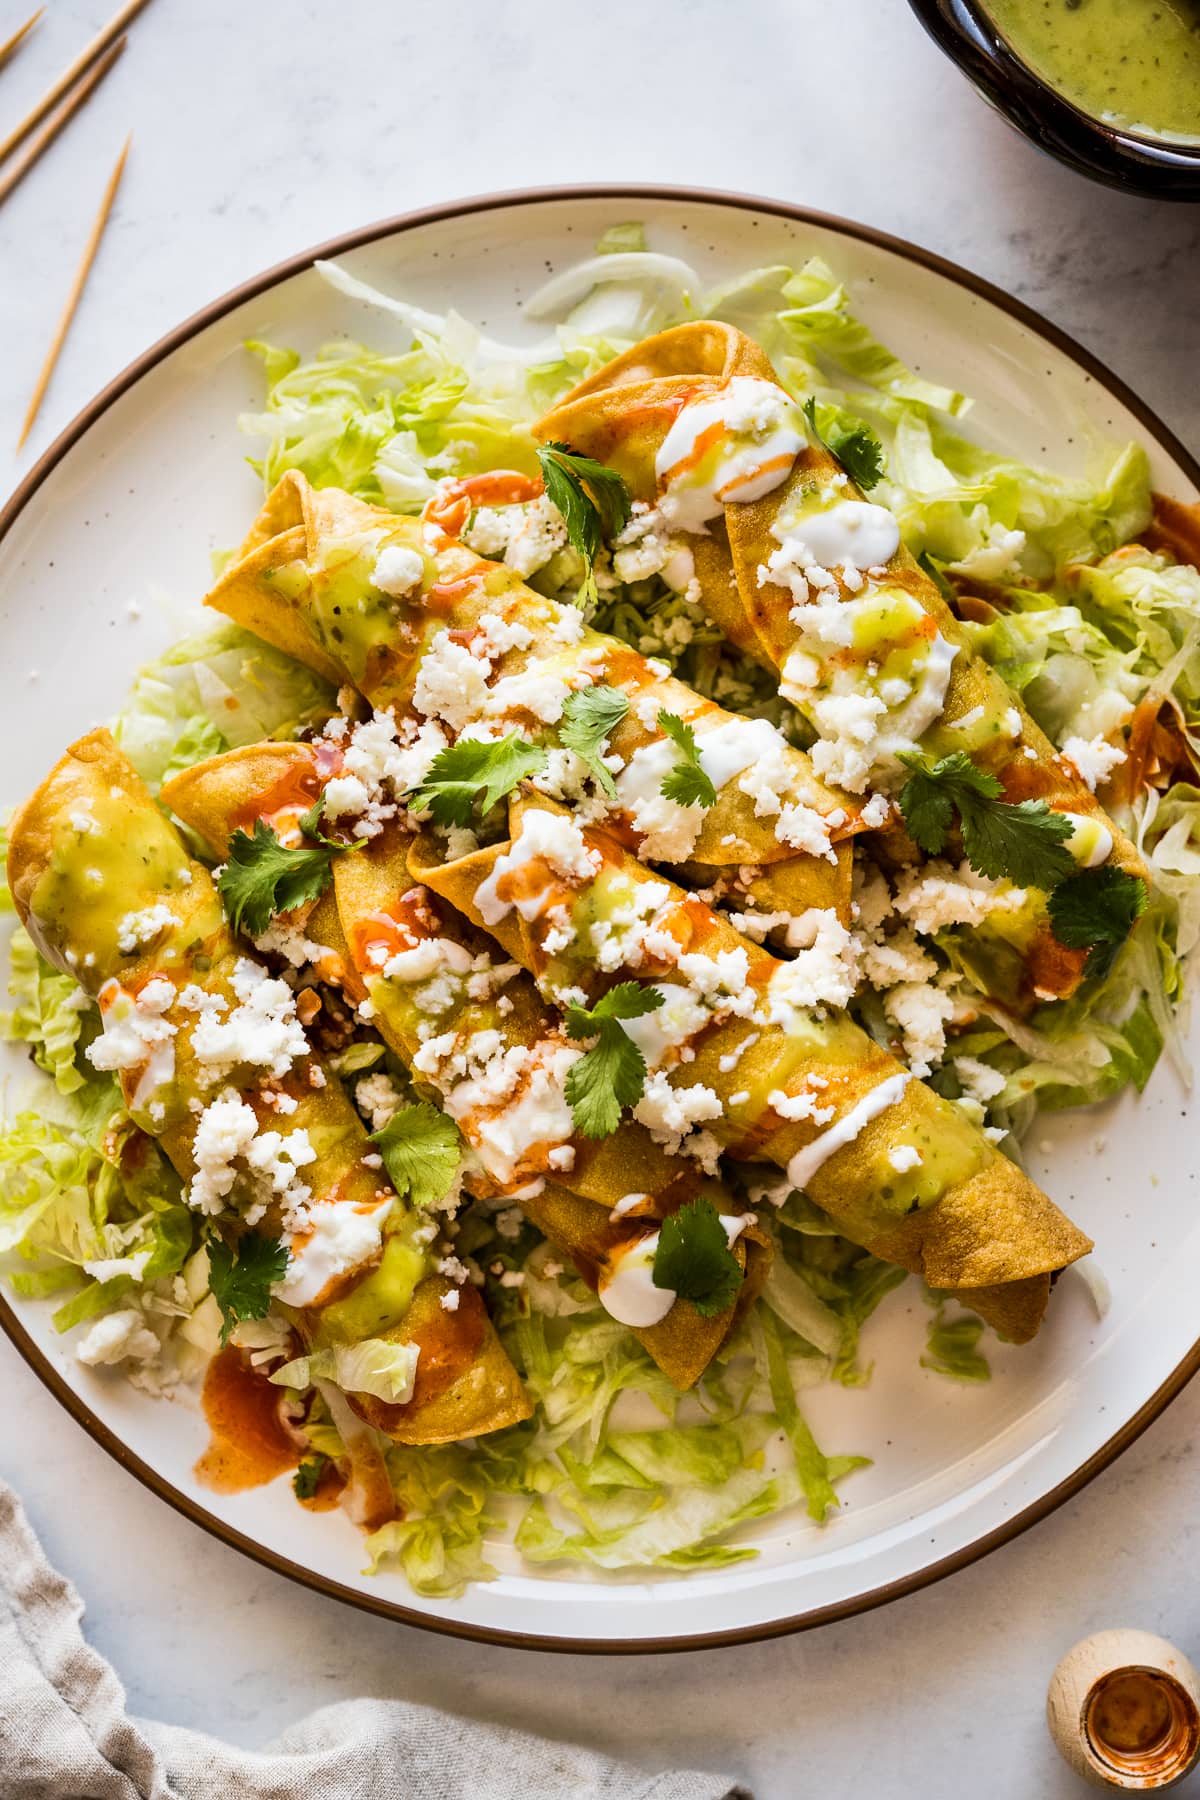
column 127, row 506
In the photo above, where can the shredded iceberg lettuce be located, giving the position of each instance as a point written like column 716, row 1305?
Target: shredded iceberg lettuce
column 214, row 692
column 88, row 1203
column 952, row 1343
column 49, row 1013
column 591, row 1486
column 438, row 1541
column 372, row 1366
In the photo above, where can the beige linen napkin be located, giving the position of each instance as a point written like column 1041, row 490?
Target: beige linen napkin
column 65, row 1734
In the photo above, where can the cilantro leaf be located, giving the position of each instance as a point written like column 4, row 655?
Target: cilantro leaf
column 307, row 1476
column 1025, row 843
column 421, row 1151
column 310, row 825
column 853, row 442
column 262, row 877
column 589, row 714
column 686, row 783
column 591, row 497
column 241, row 1284
column 474, row 769
column 932, row 793
column 612, row 1074
column 694, row 1257
column 1095, row 910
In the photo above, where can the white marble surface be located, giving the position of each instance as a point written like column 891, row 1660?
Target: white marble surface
column 260, row 129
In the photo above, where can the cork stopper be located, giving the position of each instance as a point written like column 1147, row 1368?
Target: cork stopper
column 1124, row 1711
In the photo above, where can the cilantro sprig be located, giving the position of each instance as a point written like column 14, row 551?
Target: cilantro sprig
column 310, row 825
column 591, row 497
column 241, row 1283
column 686, row 784
column 421, row 1151
column 694, row 1258
column 474, row 770
column 1095, row 910
column 1025, row 842
column 589, row 715
column 1090, row 909
column 612, row 1074
column 263, row 877
column 853, row 442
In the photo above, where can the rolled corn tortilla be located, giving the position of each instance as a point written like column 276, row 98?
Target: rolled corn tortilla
column 754, row 1053
column 440, row 1000
column 867, row 649
column 109, row 894
column 471, row 642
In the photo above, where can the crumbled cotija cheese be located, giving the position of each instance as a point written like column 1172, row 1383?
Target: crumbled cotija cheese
column 822, row 973
column 1094, row 758
column 451, row 682
column 536, row 534
column 935, row 895
column 337, row 1236
column 535, row 1117
column 799, row 1106
column 904, row 1157
column 116, row 1337
column 398, row 570
column 552, row 837
column 228, row 1131
column 137, row 1035
column 138, row 928
column 979, row 1079
column 281, row 938
column 262, row 1031
column 378, row 1096
column 921, row 1011
column 671, row 1115
column 620, row 940
column 669, row 831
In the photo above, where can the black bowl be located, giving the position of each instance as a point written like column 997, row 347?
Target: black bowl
column 1140, row 165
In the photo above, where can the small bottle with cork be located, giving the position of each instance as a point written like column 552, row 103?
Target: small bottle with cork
column 1124, row 1711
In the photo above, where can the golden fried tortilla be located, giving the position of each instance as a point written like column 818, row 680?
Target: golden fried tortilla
column 90, row 847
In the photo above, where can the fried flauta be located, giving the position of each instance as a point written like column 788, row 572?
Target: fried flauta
column 420, row 624
column 476, row 1036
column 799, row 570
column 748, row 1054
column 109, row 894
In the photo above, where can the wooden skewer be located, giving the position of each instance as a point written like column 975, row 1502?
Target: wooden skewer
column 77, row 287
column 18, row 37
column 20, row 167
column 69, row 77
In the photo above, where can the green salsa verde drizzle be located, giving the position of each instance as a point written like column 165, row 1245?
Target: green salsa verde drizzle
column 1134, row 63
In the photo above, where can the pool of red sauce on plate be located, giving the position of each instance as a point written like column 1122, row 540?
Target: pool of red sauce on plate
column 249, row 1444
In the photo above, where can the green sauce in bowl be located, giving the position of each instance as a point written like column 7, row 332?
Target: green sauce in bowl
column 1130, row 63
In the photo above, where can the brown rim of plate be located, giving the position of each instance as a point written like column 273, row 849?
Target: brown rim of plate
column 77, row 1406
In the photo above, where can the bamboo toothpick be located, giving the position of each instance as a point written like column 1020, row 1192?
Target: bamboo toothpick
column 21, row 165
column 77, row 287
column 69, row 77
column 18, row 37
